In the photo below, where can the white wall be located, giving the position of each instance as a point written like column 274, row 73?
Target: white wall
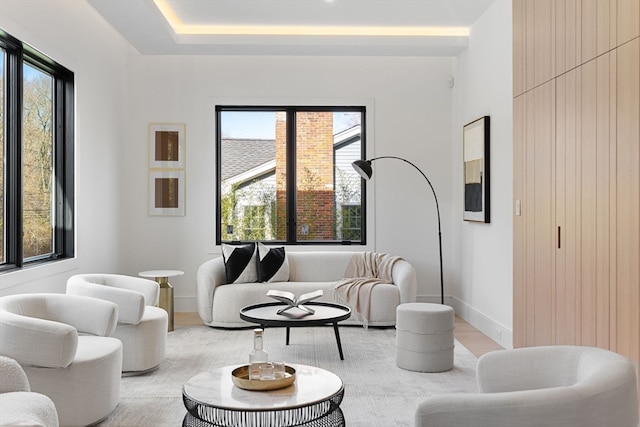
column 409, row 113
column 413, row 114
column 72, row 33
column 483, row 280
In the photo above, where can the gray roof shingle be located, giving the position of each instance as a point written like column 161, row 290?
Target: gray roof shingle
column 241, row 155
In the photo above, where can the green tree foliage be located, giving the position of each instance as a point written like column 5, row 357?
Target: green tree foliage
column 37, row 164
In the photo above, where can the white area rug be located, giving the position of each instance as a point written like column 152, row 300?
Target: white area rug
column 377, row 392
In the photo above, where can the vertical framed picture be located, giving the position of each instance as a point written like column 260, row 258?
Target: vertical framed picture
column 166, row 193
column 166, row 145
column 476, row 161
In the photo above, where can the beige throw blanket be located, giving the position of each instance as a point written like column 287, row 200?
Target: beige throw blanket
column 364, row 271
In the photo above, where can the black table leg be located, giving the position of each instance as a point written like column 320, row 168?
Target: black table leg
column 335, row 329
column 288, row 335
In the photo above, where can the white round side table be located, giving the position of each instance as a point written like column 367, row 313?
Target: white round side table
column 212, row 400
column 166, row 290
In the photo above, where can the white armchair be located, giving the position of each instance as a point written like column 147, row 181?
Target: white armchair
column 142, row 327
column 19, row 406
column 551, row 386
column 62, row 342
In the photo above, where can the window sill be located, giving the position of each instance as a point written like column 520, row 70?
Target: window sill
column 36, row 272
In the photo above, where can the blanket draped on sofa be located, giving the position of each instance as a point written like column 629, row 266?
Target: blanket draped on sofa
column 364, row 271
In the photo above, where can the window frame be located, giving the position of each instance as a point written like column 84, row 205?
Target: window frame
column 290, row 110
column 16, row 55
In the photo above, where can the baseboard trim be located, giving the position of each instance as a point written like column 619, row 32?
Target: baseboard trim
column 478, row 320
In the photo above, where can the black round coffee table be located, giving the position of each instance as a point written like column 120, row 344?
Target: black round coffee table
column 325, row 313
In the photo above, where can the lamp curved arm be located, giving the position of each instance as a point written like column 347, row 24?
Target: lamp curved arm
column 370, row 173
column 363, row 167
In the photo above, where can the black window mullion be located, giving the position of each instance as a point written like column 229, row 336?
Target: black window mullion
column 363, row 193
column 64, row 166
column 13, row 138
column 220, row 232
column 292, row 221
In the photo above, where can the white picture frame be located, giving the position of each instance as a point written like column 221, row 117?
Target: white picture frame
column 166, row 193
column 167, row 145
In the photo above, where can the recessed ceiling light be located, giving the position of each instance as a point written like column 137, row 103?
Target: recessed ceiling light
column 292, row 30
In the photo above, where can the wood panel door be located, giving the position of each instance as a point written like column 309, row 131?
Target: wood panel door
column 519, row 226
column 534, row 227
column 627, row 298
column 567, row 221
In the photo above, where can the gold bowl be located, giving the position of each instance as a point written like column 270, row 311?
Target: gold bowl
column 240, row 377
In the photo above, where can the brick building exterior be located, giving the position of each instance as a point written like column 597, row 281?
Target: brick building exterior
column 314, row 176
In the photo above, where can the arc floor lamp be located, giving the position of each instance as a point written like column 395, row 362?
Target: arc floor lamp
column 363, row 167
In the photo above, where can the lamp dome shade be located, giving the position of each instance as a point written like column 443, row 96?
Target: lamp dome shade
column 363, row 167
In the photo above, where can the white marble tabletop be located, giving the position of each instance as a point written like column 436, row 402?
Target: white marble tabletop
column 160, row 273
column 216, row 388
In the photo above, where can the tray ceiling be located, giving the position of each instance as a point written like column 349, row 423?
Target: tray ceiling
column 294, row 27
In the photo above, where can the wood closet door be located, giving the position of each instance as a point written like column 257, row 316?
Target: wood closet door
column 534, row 228
column 627, row 293
column 585, row 158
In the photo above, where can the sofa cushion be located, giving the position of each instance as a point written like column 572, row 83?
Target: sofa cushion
column 240, row 263
column 273, row 265
column 230, row 299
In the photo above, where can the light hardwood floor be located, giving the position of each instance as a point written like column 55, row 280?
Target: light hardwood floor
column 470, row 337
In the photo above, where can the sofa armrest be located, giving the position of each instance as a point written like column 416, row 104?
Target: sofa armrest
column 574, row 405
column 555, row 407
column 404, row 277
column 527, row 368
column 42, row 328
column 88, row 315
column 149, row 288
column 130, row 303
column 210, row 274
column 37, row 342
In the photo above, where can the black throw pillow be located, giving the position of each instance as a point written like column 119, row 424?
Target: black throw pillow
column 273, row 265
column 240, row 263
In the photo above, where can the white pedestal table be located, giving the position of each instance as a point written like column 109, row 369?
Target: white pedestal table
column 166, row 290
column 313, row 400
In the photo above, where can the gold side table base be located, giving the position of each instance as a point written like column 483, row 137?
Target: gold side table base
column 166, row 299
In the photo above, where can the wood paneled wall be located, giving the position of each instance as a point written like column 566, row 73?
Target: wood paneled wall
column 576, row 111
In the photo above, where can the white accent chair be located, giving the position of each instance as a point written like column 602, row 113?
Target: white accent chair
column 551, row 386
column 19, row 406
column 142, row 327
column 63, row 344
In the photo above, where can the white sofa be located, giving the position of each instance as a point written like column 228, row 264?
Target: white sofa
column 219, row 304
column 551, row 386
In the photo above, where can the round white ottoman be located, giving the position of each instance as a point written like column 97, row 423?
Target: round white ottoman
column 424, row 337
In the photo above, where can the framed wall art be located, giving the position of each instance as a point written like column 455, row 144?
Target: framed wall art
column 166, row 193
column 476, row 161
column 166, row 145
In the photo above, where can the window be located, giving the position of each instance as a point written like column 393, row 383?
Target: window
column 36, row 144
column 351, row 222
column 285, row 175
